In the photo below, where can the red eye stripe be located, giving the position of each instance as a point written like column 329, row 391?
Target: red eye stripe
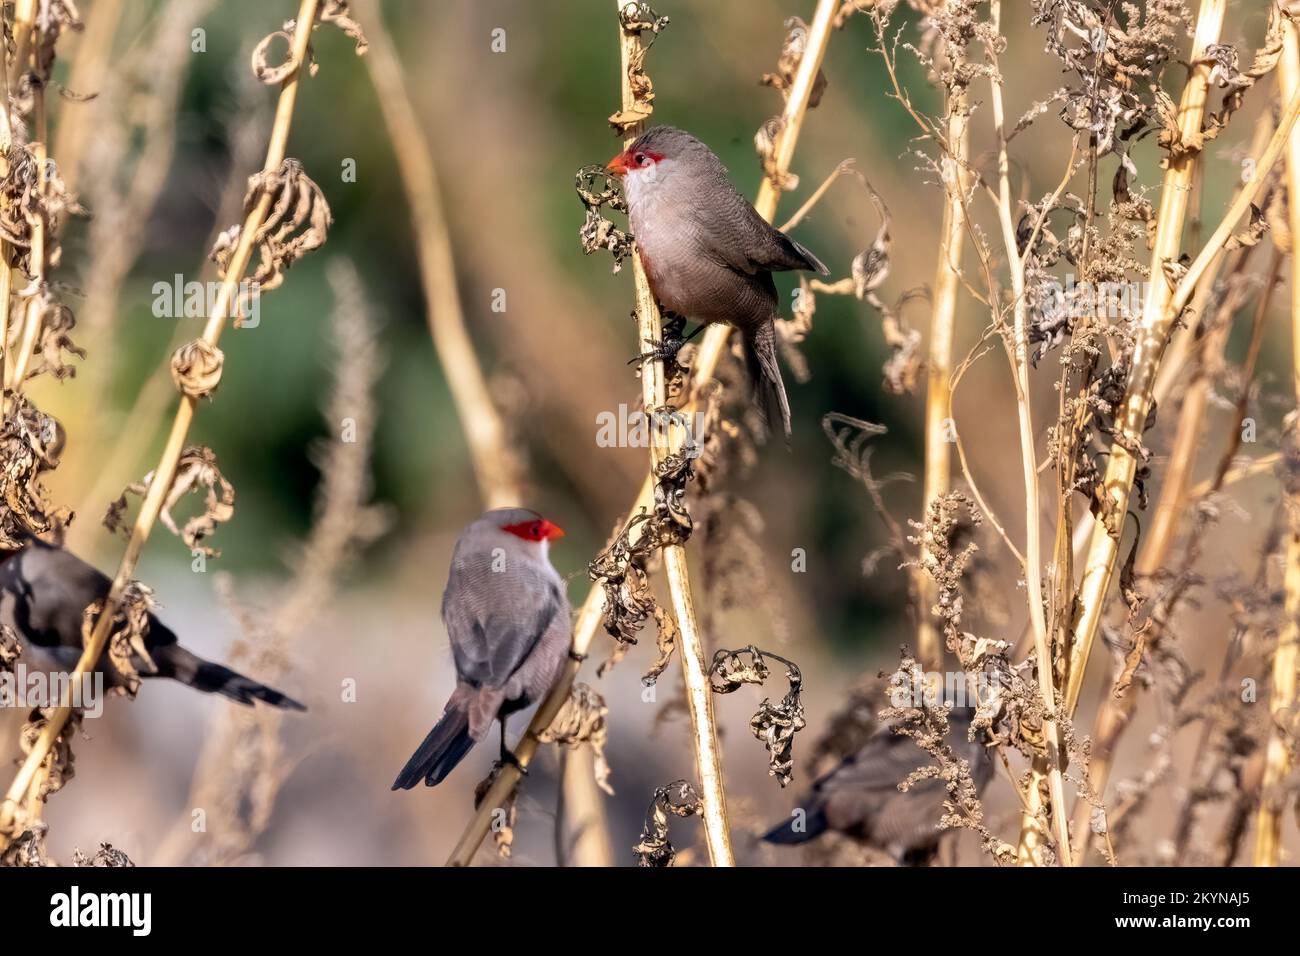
column 538, row 529
column 626, row 161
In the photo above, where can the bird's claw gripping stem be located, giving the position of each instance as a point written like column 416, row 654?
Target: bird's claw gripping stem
column 672, row 343
column 508, row 759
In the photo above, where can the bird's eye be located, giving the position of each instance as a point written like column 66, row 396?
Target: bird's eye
column 642, row 159
column 537, row 530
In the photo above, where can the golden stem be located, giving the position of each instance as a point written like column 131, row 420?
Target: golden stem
column 938, row 396
column 1029, row 466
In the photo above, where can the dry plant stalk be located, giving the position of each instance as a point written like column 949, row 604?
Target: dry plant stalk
column 938, row 396
column 592, row 612
column 654, row 399
column 1286, row 656
column 1029, row 463
column 165, row 472
column 497, row 465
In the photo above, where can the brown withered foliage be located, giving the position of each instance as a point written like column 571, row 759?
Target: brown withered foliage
column 196, row 471
column 31, row 444
column 774, row 724
column 677, row 799
column 298, row 221
column 582, row 721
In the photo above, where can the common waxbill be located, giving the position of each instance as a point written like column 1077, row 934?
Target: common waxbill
column 707, row 252
column 507, row 616
column 44, row 593
column 860, row 797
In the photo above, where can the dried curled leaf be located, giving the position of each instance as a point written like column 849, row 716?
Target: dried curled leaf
column 197, row 468
column 636, row 19
column 126, row 647
column 678, row 799
column 621, row 569
column 53, row 18
column 20, row 196
column 621, row 572
column 597, row 232
column 787, row 65
column 774, row 724
column 666, row 644
column 55, row 323
column 870, row 269
column 1115, row 57
column 10, row 648
column 1253, row 233
column 581, row 720
column 107, row 855
column 196, row 368
column 765, row 145
column 31, row 443
column 260, row 61
column 27, row 848
column 57, row 767
column 335, row 12
column 297, row 222
column 1226, row 74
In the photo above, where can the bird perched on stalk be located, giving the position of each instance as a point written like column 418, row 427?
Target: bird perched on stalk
column 44, row 593
column 507, row 616
column 860, row 797
column 707, row 253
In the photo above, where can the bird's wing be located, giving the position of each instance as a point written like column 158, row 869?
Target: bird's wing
column 734, row 233
column 496, row 618
column 881, row 765
column 44, row 593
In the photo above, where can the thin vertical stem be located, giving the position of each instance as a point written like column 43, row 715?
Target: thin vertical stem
column 938, row 396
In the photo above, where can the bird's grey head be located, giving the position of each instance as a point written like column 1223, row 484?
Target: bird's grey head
column 656, row 155
column 522, row 523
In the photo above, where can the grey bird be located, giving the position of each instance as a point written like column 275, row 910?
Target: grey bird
column 44, row 592
column 507, row 617
column 860, row 797
column 707, row 252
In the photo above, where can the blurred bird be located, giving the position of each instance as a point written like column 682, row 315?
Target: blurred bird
column 44, row 593
column 860, row 797
column 707, row 252
column 507, row 616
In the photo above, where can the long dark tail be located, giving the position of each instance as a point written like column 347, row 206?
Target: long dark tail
column 799, row 829
column 446, row 745
column 179, row 664
column 765, row 375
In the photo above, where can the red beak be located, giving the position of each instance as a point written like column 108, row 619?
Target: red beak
column 551, row 531
column 618, row 165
